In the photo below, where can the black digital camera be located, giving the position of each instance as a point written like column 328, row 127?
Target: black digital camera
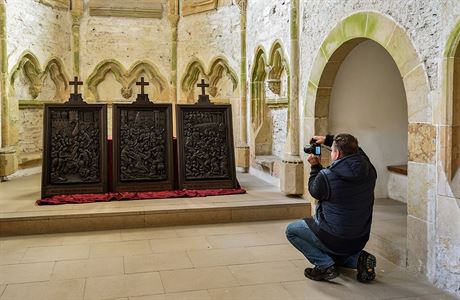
column 313, row 148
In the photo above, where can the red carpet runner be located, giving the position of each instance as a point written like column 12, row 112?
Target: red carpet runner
column 88, row 198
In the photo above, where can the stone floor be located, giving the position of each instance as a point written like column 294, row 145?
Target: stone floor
column 222, row 261
column 226, row 261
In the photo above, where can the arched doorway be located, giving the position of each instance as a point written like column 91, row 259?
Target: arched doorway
column 421, row 134
column 368, row 100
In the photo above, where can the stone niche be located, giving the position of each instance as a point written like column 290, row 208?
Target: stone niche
column 126, row 8
column 190, row 7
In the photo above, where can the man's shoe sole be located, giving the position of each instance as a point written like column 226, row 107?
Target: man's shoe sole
column 325, row 278
column 367, row 274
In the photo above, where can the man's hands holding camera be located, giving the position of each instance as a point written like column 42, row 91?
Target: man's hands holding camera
column 314, row 150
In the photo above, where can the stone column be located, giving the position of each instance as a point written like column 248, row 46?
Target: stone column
column 292, row 165
column 8, row 143
column 77, row 11
column 173, row 17
column 242, row 148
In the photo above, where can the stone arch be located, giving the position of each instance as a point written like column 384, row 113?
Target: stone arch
column 31, row 68
column 258, row 77
column 219, row 67
column 55, row 68
column 192, row 72
column 278, row 64
column 152, row 72
column 346, row 35
column 98, row 76
column 450, row 112
column 127, row 78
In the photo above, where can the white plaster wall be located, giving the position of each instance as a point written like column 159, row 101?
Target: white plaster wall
column 44, row 31
column 279, row 121
column 369, row 102
column 206, row 35
column 126, row 40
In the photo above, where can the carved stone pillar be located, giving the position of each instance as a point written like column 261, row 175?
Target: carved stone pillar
column 242, row 148
column 77, row 11
column 173, row 16
column 8, row 144
column 292, row 165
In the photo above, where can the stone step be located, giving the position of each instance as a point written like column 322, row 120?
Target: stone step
column 152, row 216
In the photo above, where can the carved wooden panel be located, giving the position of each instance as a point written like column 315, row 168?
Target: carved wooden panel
column 205, row 147
column 142, row 147
column 74, row 149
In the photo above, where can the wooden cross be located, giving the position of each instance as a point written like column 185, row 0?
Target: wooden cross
column 142, row 83
column 203, row 87
column 76, row 83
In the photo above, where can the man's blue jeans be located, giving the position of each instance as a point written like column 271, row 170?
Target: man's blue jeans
column 301, row 237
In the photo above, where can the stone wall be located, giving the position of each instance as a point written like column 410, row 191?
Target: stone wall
column 125, row 40
column 31, row 135
column 42, row 30
column 279, row 120
column 206, row 36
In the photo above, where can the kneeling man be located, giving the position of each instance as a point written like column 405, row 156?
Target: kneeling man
column 339, row 230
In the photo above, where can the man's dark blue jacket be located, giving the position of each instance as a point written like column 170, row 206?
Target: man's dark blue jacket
column 345, row 191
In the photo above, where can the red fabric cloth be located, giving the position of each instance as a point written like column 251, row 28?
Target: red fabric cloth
column 88, row 198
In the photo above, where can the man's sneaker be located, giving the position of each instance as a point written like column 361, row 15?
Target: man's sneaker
column 366, row 267
column 321, row 274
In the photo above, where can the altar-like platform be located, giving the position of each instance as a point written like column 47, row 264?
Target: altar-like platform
column 20, row 215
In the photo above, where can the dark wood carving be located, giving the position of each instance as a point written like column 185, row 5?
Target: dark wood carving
column 205, row 145
column 142, row 146
column 74, row 147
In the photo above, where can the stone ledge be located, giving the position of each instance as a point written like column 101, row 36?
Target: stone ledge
column 399, row 169
column 126, row 8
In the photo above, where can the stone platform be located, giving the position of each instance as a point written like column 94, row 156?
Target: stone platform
column 19, row 215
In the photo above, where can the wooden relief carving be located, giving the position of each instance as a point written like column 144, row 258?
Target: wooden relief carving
column 74, row 156
column 205, row 146
column 142, row 145
column 74, row 147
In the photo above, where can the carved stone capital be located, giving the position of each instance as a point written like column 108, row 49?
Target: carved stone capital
column 242, row 5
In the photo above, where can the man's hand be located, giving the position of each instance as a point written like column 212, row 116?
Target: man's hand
column 314, row 160
column 320, row 139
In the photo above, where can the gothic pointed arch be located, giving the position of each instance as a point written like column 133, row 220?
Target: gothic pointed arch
column 258, row 77
column 55, row 68
column 450, row 111
column 30, row 66
column 153, row 74
column 278, row 64
column 192, row 72
column 99, row 74
column 220, row 67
